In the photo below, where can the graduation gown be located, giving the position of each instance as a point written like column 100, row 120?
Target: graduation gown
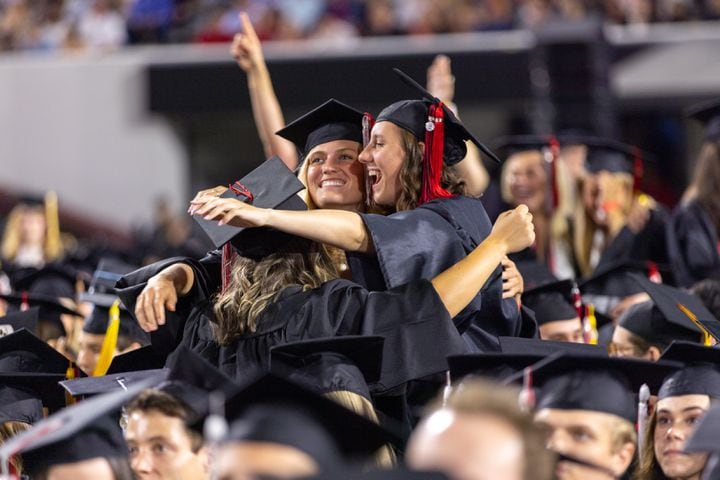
column 422, row 243
column 693, row 245
column 418, row 331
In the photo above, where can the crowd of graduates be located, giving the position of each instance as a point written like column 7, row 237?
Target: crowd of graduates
column 361, row 315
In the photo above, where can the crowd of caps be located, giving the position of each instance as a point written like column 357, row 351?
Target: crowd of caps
column 352, row 320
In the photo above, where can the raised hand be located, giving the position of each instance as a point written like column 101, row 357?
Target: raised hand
column 440, row 80
column 514, row 229
column 512, row 280
column 156, row 297
column 246, row 48
column 229, row 211
column 209, row 192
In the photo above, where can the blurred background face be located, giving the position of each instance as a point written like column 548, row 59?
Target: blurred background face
column 676, row 418
column 248, row 460
column 562, row 331
column 89, row 351
column 604, row 190
column 468, row 446
column 160, row 448
column 525, row 180
column 585, row 435
column 32, row 227
column 335, row 179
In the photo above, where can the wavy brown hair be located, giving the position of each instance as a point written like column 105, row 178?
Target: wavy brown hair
column 648, row 467
column 411, row 174
column 707, row 182
column 255, row 283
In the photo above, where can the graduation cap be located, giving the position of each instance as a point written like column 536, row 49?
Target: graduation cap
column 276, row 410
column 91, row 386
column 704, row 437
column 97, row 322
column 512, row 144
column 55, row 280
column 497, row 366
column 701, row 375
column 83, row 431
column 680, row 308
column 143, row 358
column 348, row 363
column 50, row 307
column 534, row 346
column 595, row 383
column 31, row 200
column 106, row 275
column 271, row 185
column 28, row 363
column 333, row 120
column 19, row 405
column 648, row 322
column 615, row 157
column 709, row 114
column 551, row 301
column 16, row 320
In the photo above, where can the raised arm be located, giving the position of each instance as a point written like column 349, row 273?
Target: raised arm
column 247, row 51
column 338, row 228
column 458, row 285
column 441, row 83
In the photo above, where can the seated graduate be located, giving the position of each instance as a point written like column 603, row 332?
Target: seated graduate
column 480, row 433
column 704, row 439
column 589, row 406
column 646, row 329
column 683, row 399
column 284, row 288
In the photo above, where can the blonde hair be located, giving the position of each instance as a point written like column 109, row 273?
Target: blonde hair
column 7, row 431
column 256, row 282
column 52, row 248
column 385, row 457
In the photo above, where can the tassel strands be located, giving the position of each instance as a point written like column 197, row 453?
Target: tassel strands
column 433, row 158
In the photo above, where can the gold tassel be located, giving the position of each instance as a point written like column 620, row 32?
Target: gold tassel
column 707, row 338
column 110, row 341
column 53, row 242
column 69, row 375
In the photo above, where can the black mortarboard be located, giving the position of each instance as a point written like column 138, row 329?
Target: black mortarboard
column 510, row 145
column 704, row 437
column 50, row 307
column 701, row 374
column 97, row 322
column 55, row 280
column 611, row 156
column 106, row 275
column 28, row 363
column 348, row 363
column 271, row 185
column 276, row 410
column 191, row 378
column 534, row 346
column 680, row 308
column 333, row 120
column 84, row 431
column 648, row 322
column 31, row 199
column 412, row 115
column 143, row 358
column 498, row 366
column 90, row 386
column 601, row 384
column 19, row 405
column 16, row 320
column 709, row 114
column 551, row 301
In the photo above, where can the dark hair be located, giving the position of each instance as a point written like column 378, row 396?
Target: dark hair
column 154, row 400
column 120, row 467
column 708, row 291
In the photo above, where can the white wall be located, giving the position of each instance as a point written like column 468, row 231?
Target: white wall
column 78, row 125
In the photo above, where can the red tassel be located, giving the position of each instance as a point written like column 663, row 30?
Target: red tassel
column 638, row 169
column 653, row 273
column 24, row 301
column 555, row 152
column 433, row 158
column 368, row 122
column 527, row 394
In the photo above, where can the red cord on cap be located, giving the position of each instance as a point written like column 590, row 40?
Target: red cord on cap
column 554, row 145
column 433, row 158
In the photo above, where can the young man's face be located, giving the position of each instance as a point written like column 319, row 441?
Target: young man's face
column 160, row 448
column 587, row 436
column 89, row 351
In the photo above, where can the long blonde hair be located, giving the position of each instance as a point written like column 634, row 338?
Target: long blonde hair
column 255, row 283
column 52, row 248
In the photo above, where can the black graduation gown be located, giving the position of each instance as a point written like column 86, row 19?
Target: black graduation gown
column 418, row 331
column 693, row 245
column 422, row 243
column 650, row 244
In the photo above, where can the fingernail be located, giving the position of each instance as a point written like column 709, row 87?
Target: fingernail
column 221, row 223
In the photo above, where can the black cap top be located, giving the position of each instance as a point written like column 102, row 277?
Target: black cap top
column 705, row 437
column 551, row 301
column 16, row 320
column 709, row 114
column 19, row 405
column 649, row 323
column 509, row 145
column 139, row 359
column 50, row 307
column 701, row 375
column 333, row 120
column 611, row 156
column 497, row 366
column 83, row 431
column 534, row 346
column 55, row 280
column 608, row 385
column 90, row 386
column 106, row 275
column 680, row 308
column 347, row 363
column 97, row 322
column 279, row 411
column 412, row 115
column 271, row 185
column 22, row 351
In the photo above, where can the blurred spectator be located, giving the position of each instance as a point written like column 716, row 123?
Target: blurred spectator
column 102, row 27
column 148, row 21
